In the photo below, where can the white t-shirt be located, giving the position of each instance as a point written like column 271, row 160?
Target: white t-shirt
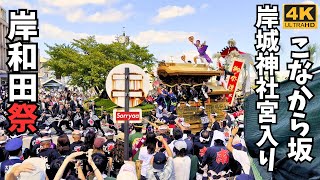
column 171, row 146
column 243, row 159
column 145, row 157
column 103, row 176
column 182, row 167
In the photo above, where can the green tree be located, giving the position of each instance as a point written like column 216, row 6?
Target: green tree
column 88, row 62
column 314, row 50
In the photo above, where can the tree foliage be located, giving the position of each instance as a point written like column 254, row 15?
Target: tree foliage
column 314, row 51
column 88, row 62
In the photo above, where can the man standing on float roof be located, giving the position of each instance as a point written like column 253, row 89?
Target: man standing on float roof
column 202, row 48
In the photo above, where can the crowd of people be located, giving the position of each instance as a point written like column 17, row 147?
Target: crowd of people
column 171, row 97
column 218, row 151
column 63, row 108
column 164, row 148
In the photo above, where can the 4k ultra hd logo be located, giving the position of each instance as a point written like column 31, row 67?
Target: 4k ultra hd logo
column 300, row 16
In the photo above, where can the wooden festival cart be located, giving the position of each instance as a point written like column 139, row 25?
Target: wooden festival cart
column 172, row 74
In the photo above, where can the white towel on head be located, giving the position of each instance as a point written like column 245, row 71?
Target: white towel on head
column 218, row 135
column 127, row 171
column 40, row 169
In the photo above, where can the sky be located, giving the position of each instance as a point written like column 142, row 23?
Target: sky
column 163, row 25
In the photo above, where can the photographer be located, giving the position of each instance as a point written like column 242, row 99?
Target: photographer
column 101, row 162
column 239, row 155
column 72, row 157
column 160, row 166
column 147, row 152
column 69, row 171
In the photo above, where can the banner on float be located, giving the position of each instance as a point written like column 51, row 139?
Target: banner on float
column 233, row 80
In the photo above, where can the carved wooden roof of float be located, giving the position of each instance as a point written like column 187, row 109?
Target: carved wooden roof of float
column 217, row 90
column 185, row 69
column 185, row 73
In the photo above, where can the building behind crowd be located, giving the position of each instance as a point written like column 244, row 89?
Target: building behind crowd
column 3, row 47
column 44, row 73
column 48, row 79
